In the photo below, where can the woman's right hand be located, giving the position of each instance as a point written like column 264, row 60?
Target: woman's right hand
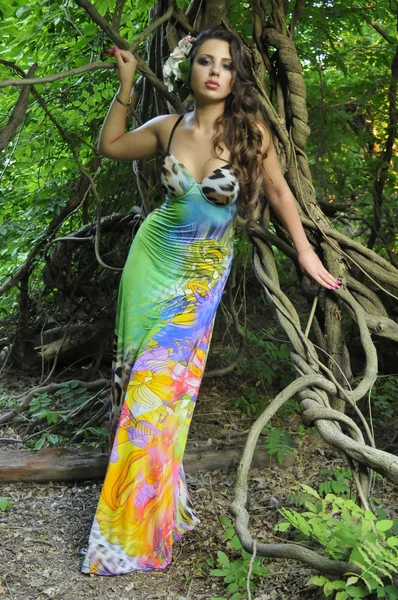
column 126, row 65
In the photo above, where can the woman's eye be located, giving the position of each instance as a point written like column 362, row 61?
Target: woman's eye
column 205, row 61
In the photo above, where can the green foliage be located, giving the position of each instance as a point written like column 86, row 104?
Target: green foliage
column 240, row 16
column 264, row 364
column 279, row 442
column 46, row 438
column 38, row 172
column 94, row 436
column 265, row 360
column 5, row 503
column 384, row 400
column 347, row 70
column 234, row 572
column 250, row 401
column 62, row 411
column 348, row 589
column 348, row 533
column 337, row 481
column 40, row 408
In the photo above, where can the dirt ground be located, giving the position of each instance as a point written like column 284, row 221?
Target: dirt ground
column 43, row 535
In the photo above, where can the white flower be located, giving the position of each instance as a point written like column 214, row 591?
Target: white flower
column 176, row 71
column 171, row 69
column 185, row 44
column 178, row 53
column 168, row 67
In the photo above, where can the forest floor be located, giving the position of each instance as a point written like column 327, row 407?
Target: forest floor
column 43, row 536
column 44, row 533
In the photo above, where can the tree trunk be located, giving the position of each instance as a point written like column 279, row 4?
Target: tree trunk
column 71, row 464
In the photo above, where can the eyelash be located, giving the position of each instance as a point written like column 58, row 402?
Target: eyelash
column 203, row 61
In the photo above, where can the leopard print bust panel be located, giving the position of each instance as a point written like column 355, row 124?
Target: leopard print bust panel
column 220, row 187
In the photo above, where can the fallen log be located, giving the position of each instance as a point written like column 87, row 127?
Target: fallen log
column 68, row 464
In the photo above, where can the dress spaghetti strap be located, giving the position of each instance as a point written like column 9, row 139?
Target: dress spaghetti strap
column 172, row 133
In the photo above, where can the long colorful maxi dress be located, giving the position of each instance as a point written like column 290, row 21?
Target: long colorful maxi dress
column 169, row 292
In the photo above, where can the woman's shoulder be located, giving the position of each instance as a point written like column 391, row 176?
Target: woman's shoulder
column 265, row 131
column 162, row 124
column 262, row 126
column 164, row 120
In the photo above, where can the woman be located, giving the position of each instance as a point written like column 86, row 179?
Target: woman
column 170, row 289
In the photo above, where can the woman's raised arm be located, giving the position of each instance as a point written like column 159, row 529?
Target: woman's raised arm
column 114, row 142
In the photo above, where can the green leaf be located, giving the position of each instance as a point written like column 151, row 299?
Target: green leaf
column 317, row 580
column 310, row 490
column 235, row 543
column 40, row 443
column 223, row 558
column 219, row 572
column 5, row 503
column 392, row 591
column 23, row 11
column 225, row 521
column 367, row 559
column 392, row 541
column 381, row 592
column 229, row 534
column 369, row 515
column 384, row 525
column 340, row 488
column 346, row 536
column 356, row 592
column 339, row 584
column 330, row 586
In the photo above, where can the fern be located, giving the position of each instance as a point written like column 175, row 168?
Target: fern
column 298, row 499
column 346, row 532
column 337, row 482
column 280, row 443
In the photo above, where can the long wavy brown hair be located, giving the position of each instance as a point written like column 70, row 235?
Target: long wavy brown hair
column 237, row 128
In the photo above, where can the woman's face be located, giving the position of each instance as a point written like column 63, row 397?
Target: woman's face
column 212, row 63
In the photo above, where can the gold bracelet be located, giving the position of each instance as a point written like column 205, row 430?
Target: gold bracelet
column 124, row 103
